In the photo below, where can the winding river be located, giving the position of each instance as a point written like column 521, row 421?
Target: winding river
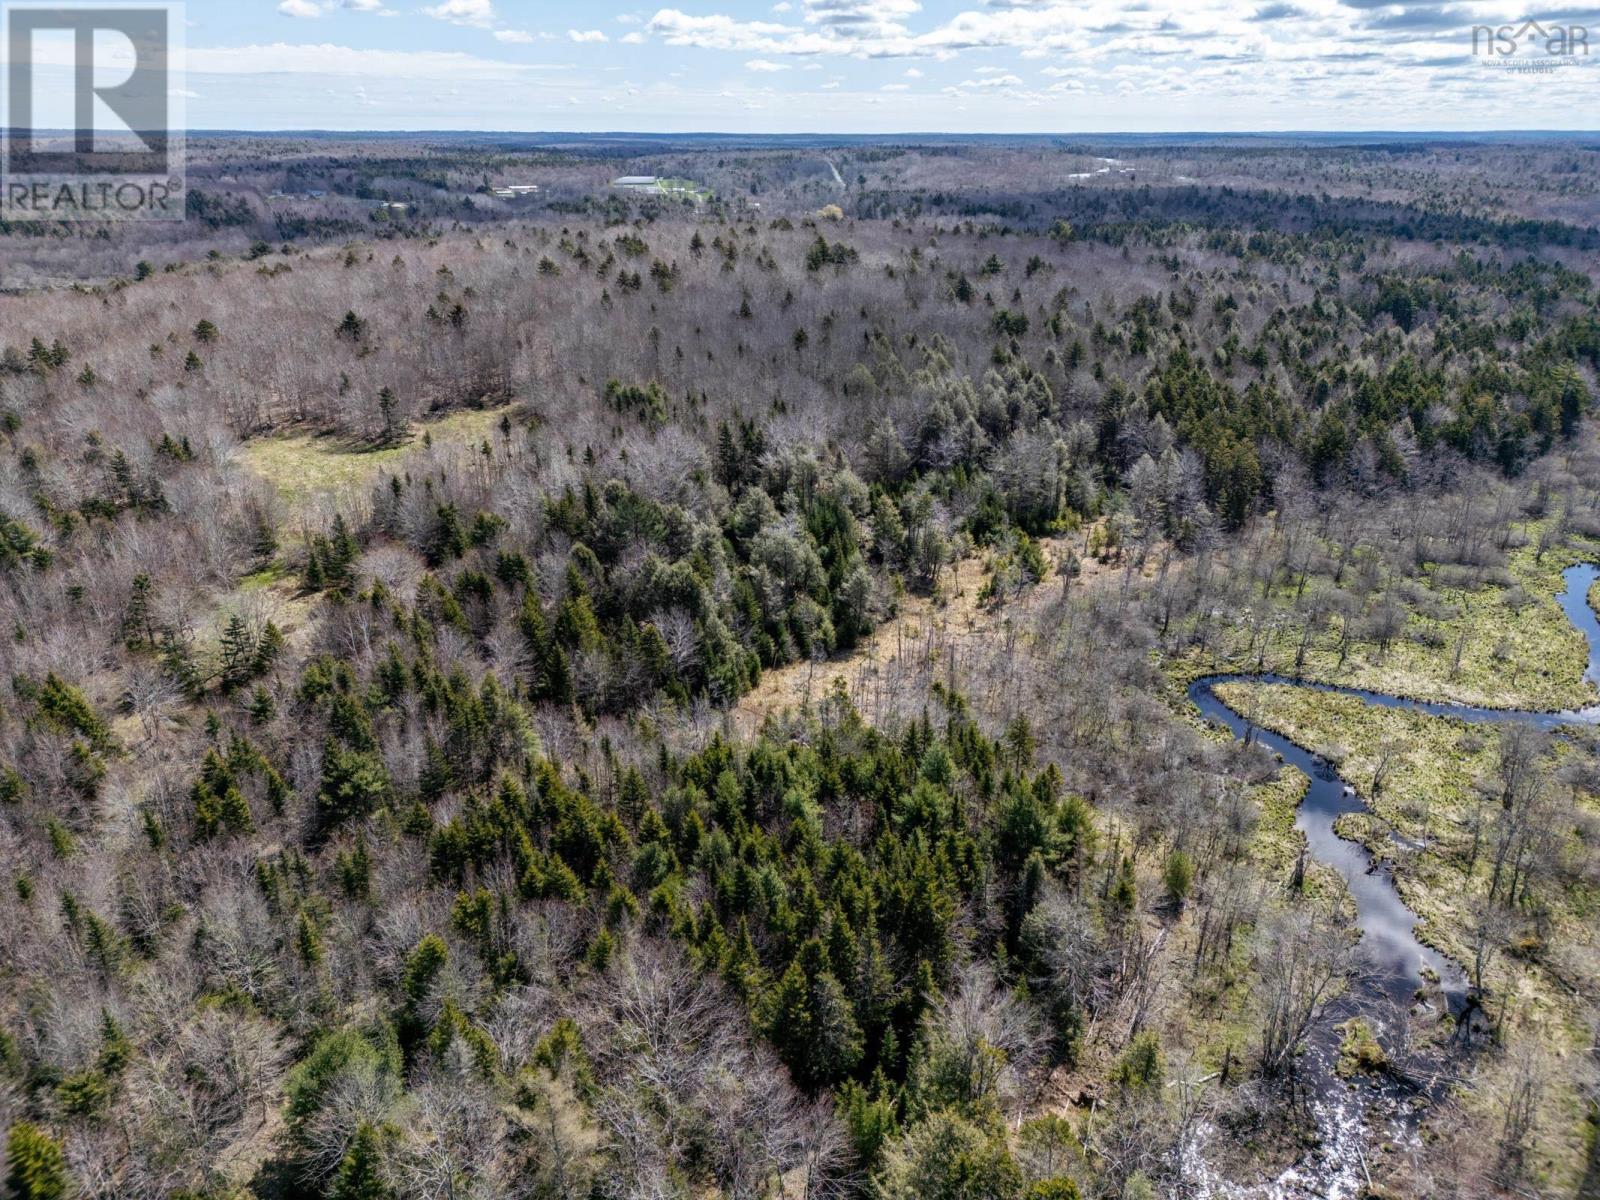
column 1400, row 965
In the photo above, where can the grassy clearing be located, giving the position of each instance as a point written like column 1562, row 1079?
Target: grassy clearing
column 308, row 467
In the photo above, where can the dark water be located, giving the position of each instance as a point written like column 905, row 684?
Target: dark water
column 1575, row 603
column 1387, row 925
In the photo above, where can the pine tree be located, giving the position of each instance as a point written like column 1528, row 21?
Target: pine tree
column 787, row 1018
column 633, row 798
column 1179, row 877
column 811, row 1023
column 352, row 328
column 836, row 1042
column 388, row 406
column 262, row 706
column 354, row 783
column 728, row 470
column 138, row 631
column 308, row 940
column 36, row 1169
column 358, row 1176
column 549, row 676
column 238, row 652
column 1124, row 891
column 316, row 573
column 354, row 870
column 345, row 547
column 268, row 650
column 235, row 811
column 422, row 967
column 115, row 1048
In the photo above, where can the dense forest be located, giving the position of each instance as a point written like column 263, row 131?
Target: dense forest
column 415, row 778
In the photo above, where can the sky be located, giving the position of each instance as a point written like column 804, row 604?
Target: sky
column 879, row 66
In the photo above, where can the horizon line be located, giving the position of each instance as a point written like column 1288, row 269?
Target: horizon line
column 225, row 131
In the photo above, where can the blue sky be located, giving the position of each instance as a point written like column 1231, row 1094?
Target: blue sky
column 870, row 66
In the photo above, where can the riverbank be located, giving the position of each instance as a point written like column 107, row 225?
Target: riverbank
column 1449, row 823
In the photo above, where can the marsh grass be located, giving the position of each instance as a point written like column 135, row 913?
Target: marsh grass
column 1503, row 644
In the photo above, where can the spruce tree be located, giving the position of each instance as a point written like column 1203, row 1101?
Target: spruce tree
column 238, row 652
column 36, row 1169
column 358, row 1176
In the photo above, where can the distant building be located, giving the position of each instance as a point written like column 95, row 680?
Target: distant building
column 637, row 183
column 515, row 191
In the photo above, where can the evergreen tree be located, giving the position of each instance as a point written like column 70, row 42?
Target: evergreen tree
column 268, row 650
column 549, row 676
column 811, row 1023
column 36, row 1169
column 238, row 652
column 354, row 782
column 262, row 706
column 352, row 328
column 308, row 940
column 388, row 408
column 359, row 1176
column 138, row 629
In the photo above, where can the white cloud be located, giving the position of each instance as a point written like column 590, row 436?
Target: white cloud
column 478, row 13
column 311, row 9
column 328, row 59
column 992, row 82
column 722, row 32
column 587, row 35
column 860, row 13
column 1235, row 66
column 895, row 87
